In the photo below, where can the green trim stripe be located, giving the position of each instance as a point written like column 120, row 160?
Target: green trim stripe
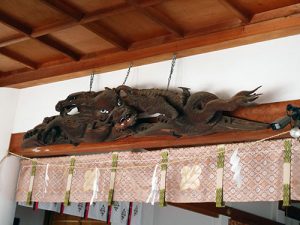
column 110, row 197
column 164, row 160
column 220, row 167
column 67, row 198
column 114, row 165
column 219, row 198
column 162, row 197
column 33, row 169
column 29, row 197
column 287, row 151
column 163, row 167
column 71, row 172
column 286, row 195
column 72, row 165
column 33, row 172
column 287, row 160
column 221, row 157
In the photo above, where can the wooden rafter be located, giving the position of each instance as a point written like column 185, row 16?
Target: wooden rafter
column 14, row 24
column 56, row 45
column 194, row 44
column 14, row 40
column 99, row 14
column 244, row 16
column 97, row 28
column 264, row 113
column 158, row 17
column 67, row 10
column 64, row 8
column 25, row 30
column 210, row 209
column 19, row 58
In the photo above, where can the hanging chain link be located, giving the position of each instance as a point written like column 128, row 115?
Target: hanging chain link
column 128, row 72
column 92, row 80
column 172, row 70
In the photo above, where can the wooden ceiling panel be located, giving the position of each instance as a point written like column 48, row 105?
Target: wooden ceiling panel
column 35, row 51
column 32, row 13
column 7, row 33
column 52, row 40
column 259, row 6
column 7, row 64
column 193, row 15
column 83, row 40
column 89, row 6
column 133, row 26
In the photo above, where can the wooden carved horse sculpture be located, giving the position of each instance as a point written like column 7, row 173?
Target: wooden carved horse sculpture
column 124, row 111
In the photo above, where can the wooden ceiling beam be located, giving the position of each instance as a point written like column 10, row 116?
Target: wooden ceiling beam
column 210, row 209
column 159, row 18
column 70, row 10
column 25, row 30
column 102, row 13
column 19, row 58
column 64, row 8
column 101, row 31
column 259, row 31
column 13, row 41
column 237, row 10
column 14, row 24
column 106, row 34
column 118, row 9
column 58, row 46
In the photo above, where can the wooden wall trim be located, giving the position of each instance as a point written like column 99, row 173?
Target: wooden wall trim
column 264, row 113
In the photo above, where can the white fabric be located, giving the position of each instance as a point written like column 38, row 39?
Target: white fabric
column 236, row 168
column 55, row 207
column 98, row 211
column 120, row 211
column 136, row 215
column 95, row 185
column 75, row 209
column 154, row 188
column 46, row 178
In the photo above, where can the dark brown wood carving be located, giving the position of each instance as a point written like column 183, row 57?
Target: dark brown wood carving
column 116, row 113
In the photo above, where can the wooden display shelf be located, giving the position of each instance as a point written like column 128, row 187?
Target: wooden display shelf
column 264, row 113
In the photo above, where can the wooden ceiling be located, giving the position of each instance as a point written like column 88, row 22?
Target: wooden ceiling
column 49, row 40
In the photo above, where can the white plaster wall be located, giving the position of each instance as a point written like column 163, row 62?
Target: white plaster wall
column 273, row 64
column 10, row 166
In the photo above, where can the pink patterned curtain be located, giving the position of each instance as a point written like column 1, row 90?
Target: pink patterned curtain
column 191, row 175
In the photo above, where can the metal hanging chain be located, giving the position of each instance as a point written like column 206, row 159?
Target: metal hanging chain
column 92, row 80
column 128, row 72
column 172, row 70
